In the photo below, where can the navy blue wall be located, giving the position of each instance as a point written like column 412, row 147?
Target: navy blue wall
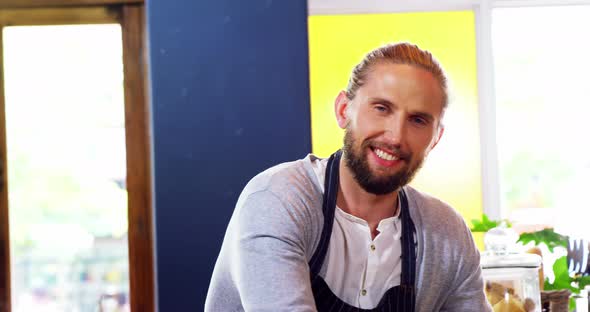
column 230, row 97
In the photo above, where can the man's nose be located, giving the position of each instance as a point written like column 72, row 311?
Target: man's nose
column 395, row 132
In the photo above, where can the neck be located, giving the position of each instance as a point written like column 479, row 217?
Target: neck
column 353, row 199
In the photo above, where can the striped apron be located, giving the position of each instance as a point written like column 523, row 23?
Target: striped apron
column 398, row 298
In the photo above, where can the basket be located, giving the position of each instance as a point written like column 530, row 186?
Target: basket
column 555, row 300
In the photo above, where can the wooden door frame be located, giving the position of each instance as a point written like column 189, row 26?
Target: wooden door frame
column 4, row 229
column 139, row 165
column 131, row 15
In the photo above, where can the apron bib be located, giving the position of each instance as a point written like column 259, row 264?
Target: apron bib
column 398, row 298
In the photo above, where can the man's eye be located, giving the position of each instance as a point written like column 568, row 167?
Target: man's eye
column 419, row 120
column 381, row 108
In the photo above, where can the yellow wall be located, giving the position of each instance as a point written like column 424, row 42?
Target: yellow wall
column 337, row 43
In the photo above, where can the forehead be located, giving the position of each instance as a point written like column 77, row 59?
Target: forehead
column 403, row 83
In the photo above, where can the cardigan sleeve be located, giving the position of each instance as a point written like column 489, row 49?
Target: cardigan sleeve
column 467, row 291
column 270, row 266
column 449, row 277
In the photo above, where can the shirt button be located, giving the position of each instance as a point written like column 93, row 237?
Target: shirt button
column 363, row 292
column 372, row 247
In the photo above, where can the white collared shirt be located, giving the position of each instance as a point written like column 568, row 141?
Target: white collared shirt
column 358, row 269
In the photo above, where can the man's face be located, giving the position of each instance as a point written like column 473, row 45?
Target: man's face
column 391, row 125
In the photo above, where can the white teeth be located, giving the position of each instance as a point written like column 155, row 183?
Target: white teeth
column 384, row 155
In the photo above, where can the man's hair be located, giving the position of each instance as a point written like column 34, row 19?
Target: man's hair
column 399, row 53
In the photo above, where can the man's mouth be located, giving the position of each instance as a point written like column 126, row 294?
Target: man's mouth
column 384, row 155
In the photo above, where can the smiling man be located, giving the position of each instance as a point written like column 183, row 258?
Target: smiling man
column 347, row 233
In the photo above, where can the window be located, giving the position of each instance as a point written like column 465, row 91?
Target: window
column 76, row 194
column 66, row 166
column 542, row 107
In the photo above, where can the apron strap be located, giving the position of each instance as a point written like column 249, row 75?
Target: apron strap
column 408, row 276
column 331, row 183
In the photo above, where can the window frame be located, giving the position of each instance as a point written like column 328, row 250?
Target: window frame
column 491, row 198
column 130, row 14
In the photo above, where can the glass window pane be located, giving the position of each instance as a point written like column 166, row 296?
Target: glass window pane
column 66, row 168
column 541, row 68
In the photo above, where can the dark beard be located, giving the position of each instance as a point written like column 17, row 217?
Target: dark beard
column 359, row 166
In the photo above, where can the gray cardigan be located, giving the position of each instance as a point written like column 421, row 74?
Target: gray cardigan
column 276, row 226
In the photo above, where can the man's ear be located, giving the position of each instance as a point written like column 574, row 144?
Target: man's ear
column 340, row 109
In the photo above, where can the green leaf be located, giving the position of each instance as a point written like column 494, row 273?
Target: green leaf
column 483, row 225
column 545, row 236
column 563, row 280
column 547, row 285
column 583, row 281
column 572, row 306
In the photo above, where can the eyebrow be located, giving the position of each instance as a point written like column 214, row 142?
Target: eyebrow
column 383, row 101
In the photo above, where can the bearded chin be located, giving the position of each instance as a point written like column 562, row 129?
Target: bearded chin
column 358, row 164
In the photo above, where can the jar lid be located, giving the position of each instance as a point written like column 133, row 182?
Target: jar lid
column 500, row 239
column 511, row 260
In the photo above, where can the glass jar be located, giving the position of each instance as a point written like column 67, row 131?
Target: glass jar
column 511, row 278
column 512, row 282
